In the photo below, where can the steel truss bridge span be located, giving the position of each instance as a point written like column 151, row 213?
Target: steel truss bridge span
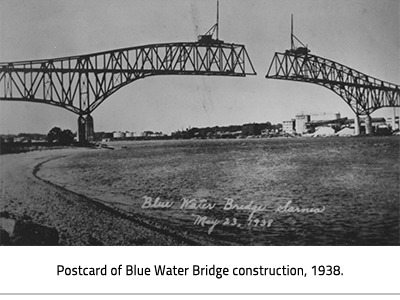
column 363, row 93
column 81, row 83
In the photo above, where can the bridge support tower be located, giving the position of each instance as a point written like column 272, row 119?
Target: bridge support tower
column 368, row 125
column 357, row 129
column 85, row 129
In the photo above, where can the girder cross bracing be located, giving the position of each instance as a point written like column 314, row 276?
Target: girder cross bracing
column 81, row 83
column 363, row 93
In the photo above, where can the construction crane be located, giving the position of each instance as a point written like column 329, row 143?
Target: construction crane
column 293, row 49
column 207, row 38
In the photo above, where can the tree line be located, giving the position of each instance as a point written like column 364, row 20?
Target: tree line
column 227, row 131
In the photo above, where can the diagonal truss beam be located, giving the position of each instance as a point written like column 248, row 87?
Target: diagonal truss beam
column 363, row 93
column 81, row 83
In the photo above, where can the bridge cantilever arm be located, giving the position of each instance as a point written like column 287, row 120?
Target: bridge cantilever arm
column 363, row 93
column 81, row 83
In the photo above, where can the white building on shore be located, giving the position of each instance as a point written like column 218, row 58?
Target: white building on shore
column 289, row 126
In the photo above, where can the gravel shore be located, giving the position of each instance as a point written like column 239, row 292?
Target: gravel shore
column 78, row 220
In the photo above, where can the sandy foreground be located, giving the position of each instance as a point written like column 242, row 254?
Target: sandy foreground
column 78, row 220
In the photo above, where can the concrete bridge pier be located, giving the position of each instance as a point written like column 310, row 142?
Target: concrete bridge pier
column 368, row 125
column 89, row 128
column 85, row 129
column 357, row 130
column 81, row 130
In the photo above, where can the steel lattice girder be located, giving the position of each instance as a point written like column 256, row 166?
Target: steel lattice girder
column 363, row 93
column 81, row 83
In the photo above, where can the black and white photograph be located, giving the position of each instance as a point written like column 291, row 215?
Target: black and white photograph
column 199, row 123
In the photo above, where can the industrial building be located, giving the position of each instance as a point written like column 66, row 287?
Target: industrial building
column 129, row 135
column 309, row 123
column 336, row 124
column 395, row 126
column 289, row 126
column 118, row 135
column 301, row 123
column 324, row 116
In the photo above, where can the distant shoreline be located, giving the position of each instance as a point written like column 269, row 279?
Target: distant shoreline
column 13, row 148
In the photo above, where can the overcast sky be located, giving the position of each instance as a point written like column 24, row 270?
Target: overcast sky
column 362, row 34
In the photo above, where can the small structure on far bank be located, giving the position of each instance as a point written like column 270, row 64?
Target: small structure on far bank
column 323, row 132
column 347, row 131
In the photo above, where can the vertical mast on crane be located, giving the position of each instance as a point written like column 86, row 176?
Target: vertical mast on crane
column 217, row 24
column 293, row 49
